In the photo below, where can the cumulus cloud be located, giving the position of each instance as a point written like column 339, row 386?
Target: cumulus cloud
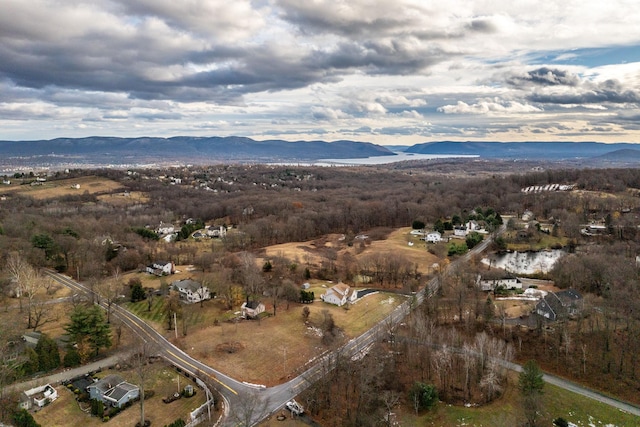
column 544, row 77
column 279, row 66
column 488, row 107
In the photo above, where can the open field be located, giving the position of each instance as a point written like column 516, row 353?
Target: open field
column 124, row 199
column 507, row 411
column 270, row 350
column 313, row 252
column 164, row 381
column 65, row 187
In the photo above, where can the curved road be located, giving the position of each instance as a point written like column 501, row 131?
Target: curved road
column 248, row 405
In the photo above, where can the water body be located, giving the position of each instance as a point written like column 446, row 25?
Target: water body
column 381, row 160
column 526, row 262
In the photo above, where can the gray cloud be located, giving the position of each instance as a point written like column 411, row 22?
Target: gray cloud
column 544, row 77
column 608, row 92
column 360, row 67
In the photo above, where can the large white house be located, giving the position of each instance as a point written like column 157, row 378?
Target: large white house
column 339, row 295
column 433, row 237
column 161, row 268
column 191, row 291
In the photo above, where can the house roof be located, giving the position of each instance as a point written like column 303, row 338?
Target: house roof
column 120, row 390
column 187, row 284
column 252, row 304
column 569, row 296
column 107, row 383
column 341, row 289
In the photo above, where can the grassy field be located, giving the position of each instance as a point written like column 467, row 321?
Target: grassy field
column 397, row 242
column 507, row 411
column 66, row 412
column 65, row 187
column 270, row 350
column 124, row 199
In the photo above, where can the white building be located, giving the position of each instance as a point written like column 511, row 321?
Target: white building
column 161, row 268
column 191, row 291
column 38, row 396
column 339, row 295
column 434, row 237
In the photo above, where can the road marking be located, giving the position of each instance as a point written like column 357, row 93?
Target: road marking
column 198, row 369
column 132, row 319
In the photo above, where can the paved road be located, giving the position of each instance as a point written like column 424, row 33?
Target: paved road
column 68, row 374
column 248, row 405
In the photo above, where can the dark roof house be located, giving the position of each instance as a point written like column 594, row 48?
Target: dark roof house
column 560, row 305
column 113, row 390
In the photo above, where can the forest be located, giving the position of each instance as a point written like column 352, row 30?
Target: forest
column 96, row 236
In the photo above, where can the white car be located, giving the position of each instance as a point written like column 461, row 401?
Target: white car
column 294, row 407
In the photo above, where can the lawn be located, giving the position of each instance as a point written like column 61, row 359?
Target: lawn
column 65, row 187
column 271, row 350
column 66, row 412
column 506, row 411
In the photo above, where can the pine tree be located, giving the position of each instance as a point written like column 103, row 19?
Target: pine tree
column 531, row 384
column 89, row 323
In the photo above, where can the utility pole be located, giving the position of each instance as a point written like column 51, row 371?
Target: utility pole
column 175, row 324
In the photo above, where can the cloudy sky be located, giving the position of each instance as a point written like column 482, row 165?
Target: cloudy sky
column 387, row 71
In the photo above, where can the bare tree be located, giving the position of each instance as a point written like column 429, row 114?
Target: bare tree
column 144, row 350
column 390, row 398
column 108, row 289
column 249, row 408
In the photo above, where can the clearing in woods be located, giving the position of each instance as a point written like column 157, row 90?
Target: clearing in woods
column 66, row 187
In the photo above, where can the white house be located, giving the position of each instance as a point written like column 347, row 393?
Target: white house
column 251, row 309
column 460, row 231
column 191, row 291
column 492, row 284
column 161, row 268
column 339, row 294
column 216, row 231
column 434, row 237
column 113, row 391
column 527, row 215
column 38, row 396
column 166, row 229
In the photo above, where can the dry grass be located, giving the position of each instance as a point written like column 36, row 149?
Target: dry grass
column 64, row 187
column 66, row 412
column 274, row 348
column 397, row 242
column 124, row 199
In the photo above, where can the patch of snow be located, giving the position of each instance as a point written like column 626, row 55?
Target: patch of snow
column 315, row 331
column 526, row 262
column 389, row 300
column 254, row 385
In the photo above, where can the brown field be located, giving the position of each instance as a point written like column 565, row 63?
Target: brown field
column 311, row 252
column 123, row 199
column 66, row 412
column 63, row 187
column 270, row 350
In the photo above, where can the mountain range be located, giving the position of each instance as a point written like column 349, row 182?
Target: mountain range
column 103, row 151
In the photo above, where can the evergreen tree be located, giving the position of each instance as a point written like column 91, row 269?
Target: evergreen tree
column 531, row 384
column 423, row 396
column 22, row 418
column 48, row 354
column 72, row 358
column 89, row 323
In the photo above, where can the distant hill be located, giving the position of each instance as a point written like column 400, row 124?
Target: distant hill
column 101, row 151
column 521, row 150
column 191, row 149
column 622, row 155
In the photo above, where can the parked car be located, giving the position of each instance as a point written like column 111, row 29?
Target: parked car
column 295, row 407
